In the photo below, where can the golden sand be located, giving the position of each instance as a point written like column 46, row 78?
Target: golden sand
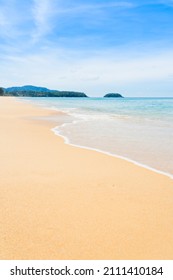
column 63, row 202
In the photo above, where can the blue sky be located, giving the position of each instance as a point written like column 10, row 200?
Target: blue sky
column 93, row 46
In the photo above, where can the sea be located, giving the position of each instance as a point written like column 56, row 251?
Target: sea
column 139, row 130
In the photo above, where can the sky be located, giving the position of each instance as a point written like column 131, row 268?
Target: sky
column 91, row 46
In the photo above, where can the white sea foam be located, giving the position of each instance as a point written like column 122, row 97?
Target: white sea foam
column 67, row 141
column 136, row 130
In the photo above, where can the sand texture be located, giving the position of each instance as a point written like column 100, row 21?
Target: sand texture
column 63, row 202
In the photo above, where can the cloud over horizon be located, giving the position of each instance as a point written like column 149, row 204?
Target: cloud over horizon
column 88, row 46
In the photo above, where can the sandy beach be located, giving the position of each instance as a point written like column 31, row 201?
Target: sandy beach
column 64, row 202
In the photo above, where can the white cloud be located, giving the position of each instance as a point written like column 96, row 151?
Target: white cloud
column 94, row 7
column 14, row 18
column 3, row 20
column 42, row 11
column 94, row 75
column 6, row 20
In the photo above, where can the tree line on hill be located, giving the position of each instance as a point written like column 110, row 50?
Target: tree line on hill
column 33, row 91
column 1, row 91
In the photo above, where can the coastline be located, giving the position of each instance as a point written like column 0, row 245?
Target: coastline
column 66, row 141
column 62, row 202
column 140, row 136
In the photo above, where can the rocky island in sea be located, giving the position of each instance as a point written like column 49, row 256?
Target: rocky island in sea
column 33, row 91
column 114, row 95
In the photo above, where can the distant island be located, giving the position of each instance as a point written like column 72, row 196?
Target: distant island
column 33, row 91
column 114, row 95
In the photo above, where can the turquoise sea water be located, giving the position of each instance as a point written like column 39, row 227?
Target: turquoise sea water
column 138, row 129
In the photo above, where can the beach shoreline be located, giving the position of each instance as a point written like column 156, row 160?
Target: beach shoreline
column 62, row 202
column 135, row 130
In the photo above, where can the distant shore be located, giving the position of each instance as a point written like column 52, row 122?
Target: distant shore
column 63, row 202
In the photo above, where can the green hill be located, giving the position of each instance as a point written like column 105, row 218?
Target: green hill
column 33, row 91
column 113, row 95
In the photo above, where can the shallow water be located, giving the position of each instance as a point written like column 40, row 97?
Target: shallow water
column 140, row 129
